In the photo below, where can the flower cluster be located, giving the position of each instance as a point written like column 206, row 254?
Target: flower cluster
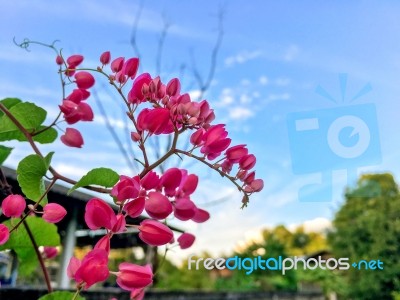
column 154, row 108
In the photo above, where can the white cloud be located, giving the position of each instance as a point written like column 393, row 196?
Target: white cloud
column 291, row 52
column 245, row 99
column 242, row 57
column 240, row 113
column 282, row 81
column 277, row 97
column 315, row 225
column 263, row 80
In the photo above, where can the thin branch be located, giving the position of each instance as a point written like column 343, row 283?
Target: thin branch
column 39, row 257
column 135, row 28
column 112, row 131
column 160, row 46
column 204, row 84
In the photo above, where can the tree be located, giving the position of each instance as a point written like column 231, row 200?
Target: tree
column 367, row 227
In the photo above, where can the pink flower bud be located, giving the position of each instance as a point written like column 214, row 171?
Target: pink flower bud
column 120, row 225
column 117, row 64
column 197, row 137
column 241, row 175
column 4, row 234
column 59, row 60
column 173, row 87
column 126, row 188
column 201, row 216
column 155, row 233
column 247, row 162
column 250, row 177
column 103, row 243
column 226, row 166
column 72, row 138
column 85, row 112
column 184, row 209
column 53, row 213
column 135, row 207
column 105, row 58
column 135, row 136
column 50, row 252
column 235, row 153
column 257, row 185
column 73, row 266
column 13, row 206
column 76, row 96
column 130, row 67
column 137, row 294
column 84, row 80
column 99, row 214
column 75, row 60
column 131, row 276
column 186, row 240
column 158, row 206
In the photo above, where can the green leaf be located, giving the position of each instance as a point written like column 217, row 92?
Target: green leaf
column 8, row 103
column 99, row 176
column 60, row 295
column 45, row 234
column 4, row 153
column 31, row 118
column 30, row 173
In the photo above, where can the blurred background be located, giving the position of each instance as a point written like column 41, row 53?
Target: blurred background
column 310, row 87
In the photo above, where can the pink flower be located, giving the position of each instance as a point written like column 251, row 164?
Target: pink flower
column 120, row 225
column 150, row 180
column 130, row 67
column 254, row 186
column 201, row 216
column 72, row 138
column 131, row 277
column 103, row 243
column 158, row 206
column 84, row 80
column 4, row 234
column 105, row 58
column 170, row 180
column 91, row 270
column 186, row 240
column 99, row 214
column 190, row 184
column 136, row 94
column 215, row 141
column 156, row 121
column 173, row 87
column 235, row 153
column 126, row 188
column 13, row 206
column 155, row 233
column 75, row 60
column 135, row 207
column 197, row 137
column 137, row 294
column 247, row 162
column 53, row 213
column 184, row 209
column 50, row 252
column 117, row 64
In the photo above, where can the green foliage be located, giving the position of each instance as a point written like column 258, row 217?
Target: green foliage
column 368, row 227
column 30, row 117
column 45, row 234
column 99, row 176
column 60, row 295
column 31, row 171
column 4, row 153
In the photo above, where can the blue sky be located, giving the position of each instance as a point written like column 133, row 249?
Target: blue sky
column 273, row 57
